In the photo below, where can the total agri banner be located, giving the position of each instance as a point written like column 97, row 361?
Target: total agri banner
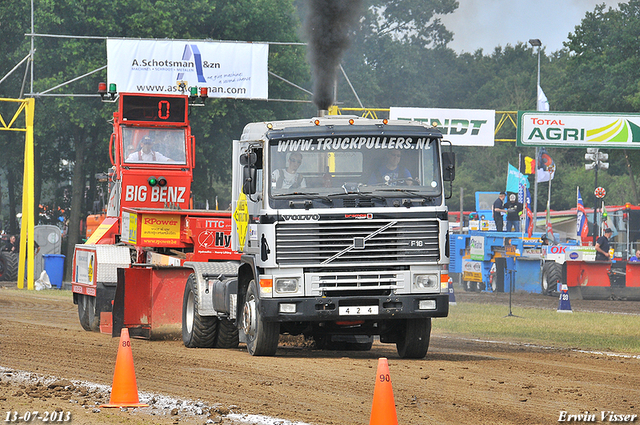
column 578, row 129
column 227, row 69
column 462, row 127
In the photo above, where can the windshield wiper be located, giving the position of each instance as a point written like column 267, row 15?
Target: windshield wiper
column 311, row 195
column 412, row 192
column 358, row 194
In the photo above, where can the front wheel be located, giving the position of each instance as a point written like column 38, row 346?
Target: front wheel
column 88, row 314
column 413, row 341
column 262, row 336
column 197, row 331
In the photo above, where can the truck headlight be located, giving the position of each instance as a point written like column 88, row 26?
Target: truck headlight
column 426, row 283
column 286, row 285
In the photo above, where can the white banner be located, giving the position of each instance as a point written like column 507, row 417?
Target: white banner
column 462, row 127
column 228, row 69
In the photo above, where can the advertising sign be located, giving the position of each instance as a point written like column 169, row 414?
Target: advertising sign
column 462, row 127
column 129, row 232
column 228, row 69
column 472, row 271
column 578, row 129
column 161, row 230
column 476, row 248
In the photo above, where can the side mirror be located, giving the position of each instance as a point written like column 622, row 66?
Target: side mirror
column 249, row 158
column 448, row 166
column 249, row 179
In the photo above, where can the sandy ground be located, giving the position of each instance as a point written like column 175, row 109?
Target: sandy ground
column 48, row 363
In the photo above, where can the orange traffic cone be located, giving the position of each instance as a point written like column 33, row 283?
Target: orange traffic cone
column 124, row 391
column 383, row 410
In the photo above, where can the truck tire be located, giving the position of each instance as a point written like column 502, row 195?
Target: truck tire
column 8, row 266
column 262, row 337
column 227, row 334
column 87, row 313
column 469, row 286
column 413, row 341
column 197, row 331
column 551, row 275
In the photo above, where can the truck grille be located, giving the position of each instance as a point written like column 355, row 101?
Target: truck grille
column 357, row 242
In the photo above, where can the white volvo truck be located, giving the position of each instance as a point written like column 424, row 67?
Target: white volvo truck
column 343, row 230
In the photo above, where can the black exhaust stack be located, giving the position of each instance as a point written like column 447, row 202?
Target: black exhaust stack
column 327, row 27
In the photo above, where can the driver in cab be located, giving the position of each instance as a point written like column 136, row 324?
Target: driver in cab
column 391, row 173
column 146, row 153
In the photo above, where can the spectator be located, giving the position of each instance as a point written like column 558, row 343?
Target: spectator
column 602, row 246
column 635, row 257
column 498, row 209
column 514, row 211
column 12, row 245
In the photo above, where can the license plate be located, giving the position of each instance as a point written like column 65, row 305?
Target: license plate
column 358, row 310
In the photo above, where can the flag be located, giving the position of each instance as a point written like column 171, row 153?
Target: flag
column 529, row 221
column 529, row 165
column 515, row 179
column 546, row 168
column 582, row 225
column 543, row 103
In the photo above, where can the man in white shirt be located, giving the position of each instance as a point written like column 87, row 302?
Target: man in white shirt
column 289, row 178
column 146, row 153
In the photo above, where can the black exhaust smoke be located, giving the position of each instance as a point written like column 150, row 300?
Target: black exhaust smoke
column 328, row 27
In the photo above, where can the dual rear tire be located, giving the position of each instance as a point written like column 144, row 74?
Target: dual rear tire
column 204, row 331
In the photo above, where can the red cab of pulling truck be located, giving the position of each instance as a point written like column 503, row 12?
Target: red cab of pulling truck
column 148, row 223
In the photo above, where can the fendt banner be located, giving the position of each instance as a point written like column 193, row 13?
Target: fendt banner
column 578, row 129
column 227, row 69
column 462, row 127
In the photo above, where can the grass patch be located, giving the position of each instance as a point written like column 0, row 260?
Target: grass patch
column 581, row 330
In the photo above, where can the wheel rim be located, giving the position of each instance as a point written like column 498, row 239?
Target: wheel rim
column 190, row 312
column 249, row 316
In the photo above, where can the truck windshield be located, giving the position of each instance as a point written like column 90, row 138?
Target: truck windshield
column 144, row 145
column 381, row 166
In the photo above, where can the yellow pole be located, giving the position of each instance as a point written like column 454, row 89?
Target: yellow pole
column 28, row 190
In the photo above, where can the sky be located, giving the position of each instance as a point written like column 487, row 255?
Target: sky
column 487, row 24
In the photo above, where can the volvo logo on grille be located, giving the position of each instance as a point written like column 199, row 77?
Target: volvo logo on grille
column 358, row 243
column 298, row 217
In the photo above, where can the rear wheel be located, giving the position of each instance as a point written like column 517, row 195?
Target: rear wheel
column 262, row 336
column 551, row 275
column 227, row 334
column 197, row 331
column 8, row 266
column 413, row 341
column 88, row 314
column 469, row 286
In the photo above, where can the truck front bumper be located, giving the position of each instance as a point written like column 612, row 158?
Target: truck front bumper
column 328, row 309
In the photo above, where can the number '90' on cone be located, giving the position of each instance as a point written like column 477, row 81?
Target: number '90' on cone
column 124, row 391
column 383, row 410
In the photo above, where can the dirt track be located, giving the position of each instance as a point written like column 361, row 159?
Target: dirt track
column 461, row 381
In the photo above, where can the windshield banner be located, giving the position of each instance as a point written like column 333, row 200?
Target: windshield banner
column 462, row 127
column 228, row 69
column 352, row 143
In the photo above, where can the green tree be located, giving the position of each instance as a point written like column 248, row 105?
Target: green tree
column 602, row 75
column 72, row 133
